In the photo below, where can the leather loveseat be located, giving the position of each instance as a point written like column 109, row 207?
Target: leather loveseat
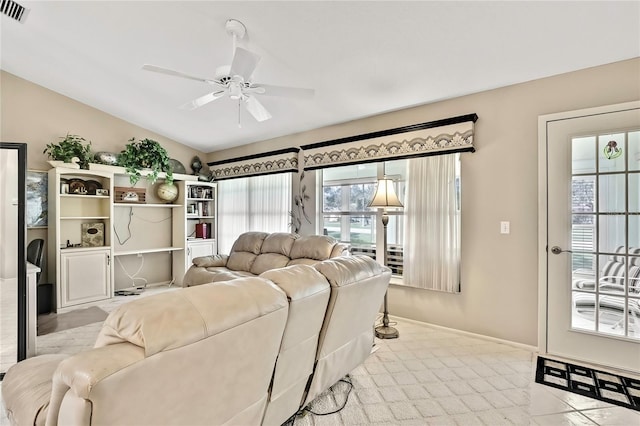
column 256, row 252
column 248, row 351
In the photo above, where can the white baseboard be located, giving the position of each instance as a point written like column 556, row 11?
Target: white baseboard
column 533, row 349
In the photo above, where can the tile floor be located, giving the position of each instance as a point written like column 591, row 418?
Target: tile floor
column 428, row 376
column 8, row 321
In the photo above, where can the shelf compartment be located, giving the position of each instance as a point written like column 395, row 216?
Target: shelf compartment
column 143, row 251
column 157, row 205
column 84, row 206
column 70, row 229
column 84, row 217
column 81, row 249
column 82, row 196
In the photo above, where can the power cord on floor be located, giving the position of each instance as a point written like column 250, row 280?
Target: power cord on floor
column 305, row 410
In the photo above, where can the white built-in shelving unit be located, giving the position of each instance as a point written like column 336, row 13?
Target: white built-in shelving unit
column 195, row 226
column 144, row 243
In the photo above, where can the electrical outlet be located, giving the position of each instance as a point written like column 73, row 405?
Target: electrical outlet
column 505, row 227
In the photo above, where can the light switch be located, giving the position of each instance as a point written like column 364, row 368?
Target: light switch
column 505, row 227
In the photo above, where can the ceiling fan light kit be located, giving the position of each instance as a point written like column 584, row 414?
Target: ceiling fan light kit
column 234, row 81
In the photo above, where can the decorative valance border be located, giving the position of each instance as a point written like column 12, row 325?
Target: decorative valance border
column 280, row 161
column 431, row 138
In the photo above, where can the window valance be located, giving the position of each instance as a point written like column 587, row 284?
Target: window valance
column 281, row 161
column 431, row 138
column 418, row 140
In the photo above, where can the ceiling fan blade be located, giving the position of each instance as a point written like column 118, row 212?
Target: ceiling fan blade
column 244, row 63
column 256, row 109
column 174, row 73
column 290, row 92
column 203, row 100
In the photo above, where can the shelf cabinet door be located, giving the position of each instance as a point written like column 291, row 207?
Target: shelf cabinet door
column 85, row 276
column 199, row 249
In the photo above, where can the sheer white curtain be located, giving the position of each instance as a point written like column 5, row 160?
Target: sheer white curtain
column 260, row 203
column 432, row 224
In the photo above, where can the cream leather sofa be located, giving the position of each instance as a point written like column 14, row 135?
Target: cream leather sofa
column 248, row 351
column 256, row 252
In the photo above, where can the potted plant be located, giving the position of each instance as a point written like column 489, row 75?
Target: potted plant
column 71, row 146
column 145, row 154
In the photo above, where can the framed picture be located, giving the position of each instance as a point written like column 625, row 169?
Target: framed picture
column 37, row 199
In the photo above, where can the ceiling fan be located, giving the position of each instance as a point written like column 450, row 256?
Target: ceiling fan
column 234, row 81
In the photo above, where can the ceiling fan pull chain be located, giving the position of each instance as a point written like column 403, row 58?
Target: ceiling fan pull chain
column 239, row 125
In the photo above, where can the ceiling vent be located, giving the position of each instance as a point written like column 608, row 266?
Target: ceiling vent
column 13, row 10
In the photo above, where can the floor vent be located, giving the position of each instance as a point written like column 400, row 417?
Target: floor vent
column 13, row 10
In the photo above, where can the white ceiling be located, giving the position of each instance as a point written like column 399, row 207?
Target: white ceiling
column 362, row 58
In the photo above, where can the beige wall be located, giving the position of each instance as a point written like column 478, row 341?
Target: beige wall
column 38, row 116
column 499, row 272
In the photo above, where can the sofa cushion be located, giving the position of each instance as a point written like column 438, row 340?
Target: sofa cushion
column 250, row 242
column 178, row 318
column 26, row 389
column 318, row 247
column 274, row 252
column 241, row 261
column 279, row 242
column 218, row 274
column 613, row 272
column 267, row 261
column 244, row 251
column 633, row 251
column 634, row 279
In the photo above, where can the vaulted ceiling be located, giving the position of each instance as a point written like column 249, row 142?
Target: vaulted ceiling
column 361, row 58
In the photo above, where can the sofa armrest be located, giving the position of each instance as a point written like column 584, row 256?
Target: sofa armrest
column 215, row 260
column 81, row 372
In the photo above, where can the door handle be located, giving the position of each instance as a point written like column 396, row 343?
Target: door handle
column 558, row 250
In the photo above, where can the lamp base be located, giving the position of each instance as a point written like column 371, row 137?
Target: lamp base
column 387, row 332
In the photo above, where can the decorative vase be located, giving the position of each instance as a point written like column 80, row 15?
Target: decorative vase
column 104, row 157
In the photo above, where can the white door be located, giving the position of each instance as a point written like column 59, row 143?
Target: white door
column 199, row 249
column 85, row 277
column 592, row 236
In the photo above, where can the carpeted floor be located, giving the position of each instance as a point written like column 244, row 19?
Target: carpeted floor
column 605, row 386
column 52, row 323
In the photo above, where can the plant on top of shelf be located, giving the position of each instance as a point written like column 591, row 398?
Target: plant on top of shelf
column 145, row 154
column 69, row 147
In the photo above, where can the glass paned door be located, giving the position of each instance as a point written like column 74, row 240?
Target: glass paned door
column 604, row 210
column 591, row 226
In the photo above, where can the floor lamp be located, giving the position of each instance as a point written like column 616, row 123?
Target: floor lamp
column 385, row 197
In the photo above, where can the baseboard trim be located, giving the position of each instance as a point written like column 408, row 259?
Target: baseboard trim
column 533, row 349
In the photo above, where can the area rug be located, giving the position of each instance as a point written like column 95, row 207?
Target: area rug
column 608, row 387
column 52, row 323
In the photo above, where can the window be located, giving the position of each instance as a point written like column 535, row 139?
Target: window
column 433, row 208
column 259, row 203
column 346, row 192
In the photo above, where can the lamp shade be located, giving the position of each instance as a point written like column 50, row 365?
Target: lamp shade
column 385, row 195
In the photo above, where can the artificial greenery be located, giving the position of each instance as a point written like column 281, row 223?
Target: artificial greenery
column 145, row 154
column 70, row 146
